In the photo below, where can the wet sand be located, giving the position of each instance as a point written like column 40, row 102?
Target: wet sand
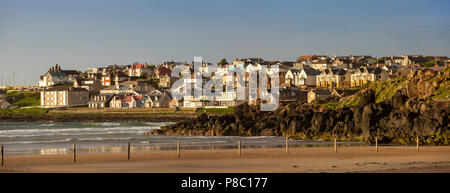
column 394, row 159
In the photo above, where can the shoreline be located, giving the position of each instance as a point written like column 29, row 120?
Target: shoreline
column 100, row 117
column 271, row 160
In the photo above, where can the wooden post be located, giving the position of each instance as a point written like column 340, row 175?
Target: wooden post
column 376, row 144
column 129, row 149
column 239, row 149
column 417, row 143
column 178, row 149
column 335, row 145
column 74, row 153
column 2, row 155
column 287, row 146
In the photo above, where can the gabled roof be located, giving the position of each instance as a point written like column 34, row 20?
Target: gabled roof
column 58, row 74
column 129, row 98
column 120, row 97
column 137, row 66
column 310, row 71
column 321, row 92
column 161, row 71
column 295, row 70
column 374, row 70
column 108, row 97
column 339, row 72
column 344, row 93
column 70, row 72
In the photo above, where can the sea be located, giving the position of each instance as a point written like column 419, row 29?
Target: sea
column 43, row 138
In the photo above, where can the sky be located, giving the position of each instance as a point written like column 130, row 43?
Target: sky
column 77, row 34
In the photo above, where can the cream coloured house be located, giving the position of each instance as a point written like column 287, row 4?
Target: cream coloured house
column 64, row 96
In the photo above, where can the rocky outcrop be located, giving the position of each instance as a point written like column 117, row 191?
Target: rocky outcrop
column 409, row 113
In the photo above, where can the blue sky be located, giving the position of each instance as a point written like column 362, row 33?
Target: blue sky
column 82, row 33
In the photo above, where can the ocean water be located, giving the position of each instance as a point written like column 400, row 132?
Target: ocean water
column 35, row 138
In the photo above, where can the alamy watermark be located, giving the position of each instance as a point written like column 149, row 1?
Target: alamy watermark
column 206, row 82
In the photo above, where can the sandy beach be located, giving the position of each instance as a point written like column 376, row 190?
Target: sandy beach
column 394, row 159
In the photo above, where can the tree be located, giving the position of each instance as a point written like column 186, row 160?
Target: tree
column 430, row 63
column 144, row 75
column 380, row 61
column 223, row 62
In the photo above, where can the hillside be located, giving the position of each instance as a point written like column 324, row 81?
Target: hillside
column 429, row 86
column 395, row 111
column 24, row 99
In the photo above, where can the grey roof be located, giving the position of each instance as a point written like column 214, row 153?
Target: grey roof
column 339, row 72
column 311, row 71
column 65, row 88
column 57, row 74
column 374, row 70
column 322, row 92
column 294, row 70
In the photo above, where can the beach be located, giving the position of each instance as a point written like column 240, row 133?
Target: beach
column 391, row 159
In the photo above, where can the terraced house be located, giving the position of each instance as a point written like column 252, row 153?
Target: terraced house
column 362, row 76
column 332, row 78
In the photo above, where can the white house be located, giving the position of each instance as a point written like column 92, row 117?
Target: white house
column 301, row 77
column 138, row 70
column 53, row 78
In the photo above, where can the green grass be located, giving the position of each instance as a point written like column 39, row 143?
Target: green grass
column 330, row 105
column 386, row 89
column 25, row 99
column 228, row 110
column 430, row 63
column 383, row 90
column 24, row 111
column 443, row 92
column 352, row 101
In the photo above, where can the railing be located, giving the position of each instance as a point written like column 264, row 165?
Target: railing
column 179, row 148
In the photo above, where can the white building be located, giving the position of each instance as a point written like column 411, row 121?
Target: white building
column 301, row 77
column 53, row 78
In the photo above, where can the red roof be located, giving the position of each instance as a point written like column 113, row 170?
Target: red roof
column 128, row 98
column 138, row 66
column 306, row 57
column 162, row 71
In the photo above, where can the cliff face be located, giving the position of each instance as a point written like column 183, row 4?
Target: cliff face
column 411, row 111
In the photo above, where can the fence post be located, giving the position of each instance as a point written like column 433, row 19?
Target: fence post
column 129, row 149
column 417, row 143
column 335, row 145
column 287, row 146
column 239, row 148
column 178, row 149
column 376, row 144
column 74, row 153
column 2, row 155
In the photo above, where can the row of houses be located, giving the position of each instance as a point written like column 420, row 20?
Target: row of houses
column 117, row 101
column 133, row 86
